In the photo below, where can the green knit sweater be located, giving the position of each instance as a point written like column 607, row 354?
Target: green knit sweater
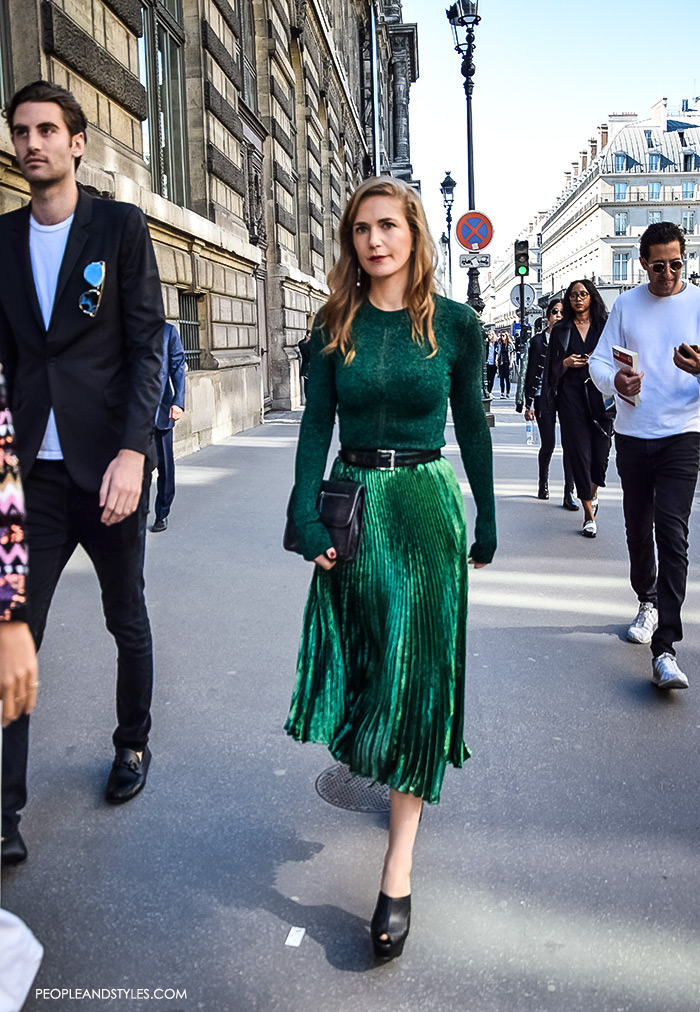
column 393, row 396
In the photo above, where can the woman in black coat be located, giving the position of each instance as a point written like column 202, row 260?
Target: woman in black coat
column 586, row 422
column 540, row 405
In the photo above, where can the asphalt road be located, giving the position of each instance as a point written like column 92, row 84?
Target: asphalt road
column 560, row 873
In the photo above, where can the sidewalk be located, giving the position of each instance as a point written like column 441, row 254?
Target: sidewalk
column 560, row 873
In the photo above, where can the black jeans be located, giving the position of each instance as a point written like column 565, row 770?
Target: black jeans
column 165, row 482
column 61, row 516
column 504, row 378
column 546, row 423
column 658, row 483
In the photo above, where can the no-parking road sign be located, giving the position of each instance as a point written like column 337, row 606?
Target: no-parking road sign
column 474, row 231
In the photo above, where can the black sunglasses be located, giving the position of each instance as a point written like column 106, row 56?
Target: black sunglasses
column 94, row 274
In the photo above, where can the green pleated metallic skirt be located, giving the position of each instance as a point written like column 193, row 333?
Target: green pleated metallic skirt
column 381, row 667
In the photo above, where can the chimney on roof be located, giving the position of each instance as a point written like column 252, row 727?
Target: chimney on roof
column 567, row 177
column 659, row 113
column 593, row 143
column 584, row 160
column 603, row 135
column 574, row 169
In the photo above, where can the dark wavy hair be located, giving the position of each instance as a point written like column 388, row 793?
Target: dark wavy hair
column 43, row 91
column 660, row 234
column 599, row 313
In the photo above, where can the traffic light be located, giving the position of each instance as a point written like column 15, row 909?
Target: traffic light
column 522, row 258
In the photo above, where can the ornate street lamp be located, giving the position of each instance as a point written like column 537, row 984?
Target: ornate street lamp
column 465, row 15
column 447, row 189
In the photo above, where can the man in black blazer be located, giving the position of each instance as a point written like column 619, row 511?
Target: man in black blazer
column 81, row 324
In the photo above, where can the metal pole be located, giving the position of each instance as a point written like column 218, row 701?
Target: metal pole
column 449, row 248
column 468, row 70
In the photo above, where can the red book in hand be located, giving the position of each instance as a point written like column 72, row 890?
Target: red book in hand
column 623, row 356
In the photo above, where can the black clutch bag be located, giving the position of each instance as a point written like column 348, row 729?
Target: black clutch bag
column 341, row 510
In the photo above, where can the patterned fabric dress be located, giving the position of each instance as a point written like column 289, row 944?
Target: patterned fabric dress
column 381, row 666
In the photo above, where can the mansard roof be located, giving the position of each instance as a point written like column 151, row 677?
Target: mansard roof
column 678, row 139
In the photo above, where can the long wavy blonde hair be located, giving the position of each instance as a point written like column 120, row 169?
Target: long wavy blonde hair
column 347, row 296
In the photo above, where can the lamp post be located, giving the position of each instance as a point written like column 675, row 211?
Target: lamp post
column 447, row 189
column 444, row 243
column 465, row 14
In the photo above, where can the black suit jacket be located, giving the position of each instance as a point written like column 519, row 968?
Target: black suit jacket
column 100, row 374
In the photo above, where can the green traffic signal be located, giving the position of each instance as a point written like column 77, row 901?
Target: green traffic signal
column 522, row 258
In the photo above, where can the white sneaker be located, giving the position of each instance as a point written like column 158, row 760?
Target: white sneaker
column 644, row 625
column 666, row 674
column 590, row 529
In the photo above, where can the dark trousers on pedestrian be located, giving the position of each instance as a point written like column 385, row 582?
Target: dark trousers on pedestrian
column 491, row 371
column 586, row 445
column 60, row 516
column 546, row 416
column 165, row 482
column 658, row 483
column 504, row 379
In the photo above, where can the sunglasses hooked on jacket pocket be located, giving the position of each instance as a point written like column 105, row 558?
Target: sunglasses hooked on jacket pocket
column 94, row 274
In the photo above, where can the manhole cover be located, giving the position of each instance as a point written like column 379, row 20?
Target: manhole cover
column 339, row 787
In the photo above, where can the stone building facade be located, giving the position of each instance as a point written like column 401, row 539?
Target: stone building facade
column 240, row 127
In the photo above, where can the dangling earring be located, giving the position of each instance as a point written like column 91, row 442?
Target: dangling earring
column 359, row 276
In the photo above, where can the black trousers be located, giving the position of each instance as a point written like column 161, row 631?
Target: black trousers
column 547, row 424
column 61, row 516
column 165, row 482
column 658, row 483
column 504, row 378
column 585, row 444
column 491, row 371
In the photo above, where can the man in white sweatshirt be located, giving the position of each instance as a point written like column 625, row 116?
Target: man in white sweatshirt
column 658, row 441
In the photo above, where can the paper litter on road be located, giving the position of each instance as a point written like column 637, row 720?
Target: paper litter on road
column 295, row 937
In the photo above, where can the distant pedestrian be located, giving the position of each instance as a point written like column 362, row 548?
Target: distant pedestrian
column 540, row 404
column 658, row 441
column 491, row 362
column 381, row 666
column 505, row 356
column 81, row 342
column 304, row 347
column 586, row 420
column 170, row 409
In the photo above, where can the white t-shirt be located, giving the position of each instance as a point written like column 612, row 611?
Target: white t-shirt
column 652, row 326
column 47, row 244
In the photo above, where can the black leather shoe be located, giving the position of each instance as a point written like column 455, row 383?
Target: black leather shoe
column 128, row 775
column 14, row 849
column 569, row 502
column 543, row 490
column 160, row 525
column 391, row 918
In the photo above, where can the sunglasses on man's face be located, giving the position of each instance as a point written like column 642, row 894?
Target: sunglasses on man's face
column 659, row 266
column 94, row 274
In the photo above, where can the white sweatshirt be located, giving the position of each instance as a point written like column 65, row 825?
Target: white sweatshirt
column 653, row 327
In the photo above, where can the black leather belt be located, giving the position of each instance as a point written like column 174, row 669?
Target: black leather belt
column 388, row 460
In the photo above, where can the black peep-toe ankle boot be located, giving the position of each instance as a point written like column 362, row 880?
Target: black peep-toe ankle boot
column 391, row 917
